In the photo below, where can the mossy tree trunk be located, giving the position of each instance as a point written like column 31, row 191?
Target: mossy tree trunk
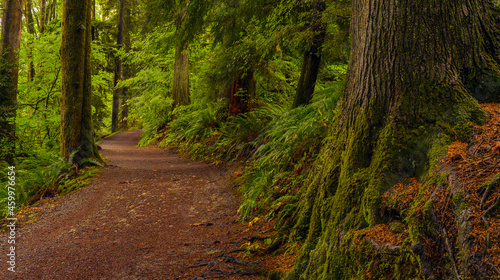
column 118, row 68
column 180, row 88
column 9, row 74
column 312, row 58
column 415, row 67
column 76, row 110
column 43, row 15
column 28, row 14
column 53, row 13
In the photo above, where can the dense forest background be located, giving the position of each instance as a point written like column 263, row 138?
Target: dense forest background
column 216, row 78
column 335, row 159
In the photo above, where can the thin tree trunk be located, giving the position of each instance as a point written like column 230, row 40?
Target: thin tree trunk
column 180, row 88
column 28, row 12
column 413, row 70
column 241, row 93
column 241, row 89
column 126, row 70
column 53, row 13
column 9, row 71
column 76, row 110
column 118, row 69
column 43, row 15
column 94, row 28
column 312, row 59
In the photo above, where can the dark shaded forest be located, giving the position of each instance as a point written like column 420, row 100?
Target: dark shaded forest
column 365, row 132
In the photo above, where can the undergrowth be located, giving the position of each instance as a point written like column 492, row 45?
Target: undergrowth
column 42, row 174
column 276, row 145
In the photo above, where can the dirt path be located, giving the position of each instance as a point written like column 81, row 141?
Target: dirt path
column 151, row 214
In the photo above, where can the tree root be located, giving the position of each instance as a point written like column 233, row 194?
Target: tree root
column 486, row 194
column 492, row 207
column 450, row 252
column 494, row 267
column 212, row 263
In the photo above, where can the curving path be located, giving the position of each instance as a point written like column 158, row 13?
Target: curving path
column 150, row 214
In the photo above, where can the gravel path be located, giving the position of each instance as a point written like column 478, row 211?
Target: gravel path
column 150, row 214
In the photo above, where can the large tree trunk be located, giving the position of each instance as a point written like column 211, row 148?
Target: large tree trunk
column 413, row 70
column 118, row 69
column 312, row 58
column 9, row 73
column 76, row 110
column 180, row 88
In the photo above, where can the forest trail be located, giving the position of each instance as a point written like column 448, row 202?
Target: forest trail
column 150, row 214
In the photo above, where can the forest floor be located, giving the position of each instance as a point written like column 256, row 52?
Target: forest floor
column 150, row 214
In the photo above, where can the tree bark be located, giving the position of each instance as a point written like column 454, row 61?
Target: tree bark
column 127, row 25
column 240, row 89
column 9, row 71
column 43, row 15
column 53, row 13
column 415, row 67
column 118, row 69
column 28, row 12
column 312, row 58
column 180, row 88
column 76, row 111
column 241, row 93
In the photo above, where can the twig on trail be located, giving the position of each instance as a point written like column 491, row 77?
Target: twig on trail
column 218, row 273
column 243, row 272
column 237, row 250
column 233, row 260
column 212, row 263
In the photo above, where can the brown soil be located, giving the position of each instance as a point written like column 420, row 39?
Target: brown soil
column 150, row 214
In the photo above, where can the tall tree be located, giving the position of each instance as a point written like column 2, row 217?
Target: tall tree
column 118, row 67
column 9, row 72
column 76, row 110
column 312, row 57
column 126, row 69
column 180, row 88
column 43, row 15
column 241, row 87
column 414, row 68
column 28, row 14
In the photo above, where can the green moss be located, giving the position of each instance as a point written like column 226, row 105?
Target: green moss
column 459, row 202
column 79, row 182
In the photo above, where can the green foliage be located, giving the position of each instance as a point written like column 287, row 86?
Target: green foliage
column 279, row 143
column 286, row 149
column 38, row 175
column 152, row 108
column 196, row 123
